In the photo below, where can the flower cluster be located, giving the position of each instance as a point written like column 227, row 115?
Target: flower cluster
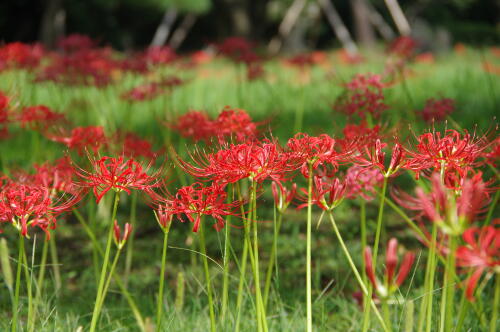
column 437, row 109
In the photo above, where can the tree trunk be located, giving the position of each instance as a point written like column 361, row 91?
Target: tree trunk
column 163, row 30
column 378, row 21
column 181, row 32
column 53, row 22
column 338, row 26
column 290, row 19
column 363, row 28
column 399, row 17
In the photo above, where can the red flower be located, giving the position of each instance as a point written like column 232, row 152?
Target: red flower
column 75, row 42
column 358, row 135
column 196, row 200
column 20, row 55
column 319, row 150
column 282, row 196
column 82, row 138
column 372, row 156
column 255, row 71
column 363, row 94
column 116, row 174
column 159, row 55
column 391, row 284
column 437, row 109
column 452, row 210
column 481, row 253
column 235, row 48
column 146, row 91
column 135, row 147
column 327, row 193
column 4, row 114
column 361, row 182
column 119, row 240
column 57, row 177
column 403, row 46
column 454, row 154
column 258, row 161
column 39, row 117
column 195, row 125
column 236, row 124
column 31, row 205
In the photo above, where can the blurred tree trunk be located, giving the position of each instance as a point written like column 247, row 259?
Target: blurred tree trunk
column 399, row 17
column 291, row 16
column 379, row 23
column 163, row 30
column 53, row 22
column 338, row 26
column 182, row 30
column 239, row 16
column 363, row 28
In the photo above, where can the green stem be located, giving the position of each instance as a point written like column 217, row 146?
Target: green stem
column 15, row 304
column 27, row 275
column 387, row 314
column 448, row 293
column 308, row 249
column 496, row 304
column 355, row 271
column 130, row 242
column 225, row 281
column 244, row 258
column 366, row 298
column 491, row 209
column 159, row 305
column 379, row 224
column 110, row 276
column 462, row 311
column 119, row 282
column 272, row 259
column 102, row 278
column 429, row 291
column 39, row 282
column 55, row 262
column 207, row 277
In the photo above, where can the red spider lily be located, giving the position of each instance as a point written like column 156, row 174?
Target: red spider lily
column 362, row 182
column 195, row 125
column 255, row 71
column 403, row 47
column 493, row 154
column 453, row 154
column 314, row 150
column 358, row 135
column 39, row 117
column 391, row 284
column 4, row 114
column 301, row 61
column 327, row 193
column 143, row 92
column 452, row 210
column 165, row 212
column 134, row 147
column 235, row 48
column 82, row 138
column 258, row 161
column 20, row 55
column 363, row 95
column 119, row 240
column 76, row 42
column 196, row 200
column 117, row 174
column 437, row 109
column 481, row 253
column 235, row 123
column 372, row 156
column 57, row 177
column 282, row 195
column 26, row 206
column 156, row 55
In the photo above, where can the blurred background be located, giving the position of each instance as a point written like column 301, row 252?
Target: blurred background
column 276, row 25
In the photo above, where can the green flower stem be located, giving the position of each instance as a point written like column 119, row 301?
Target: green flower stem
column 159, row 304
column 429, row 290
column 203, row 248
column 496, row 304
column 119, row 282
column 55, row 262
column 387, row 314
column 130, row 242
column 379, row 223
column 308, row 249
column 102, row 278
column 39, row 282
column 110, row 276
column 355, row 271
column 225, row 280
column 15, row 304
column 464, row 304
column 447, row 300
column 272, row 258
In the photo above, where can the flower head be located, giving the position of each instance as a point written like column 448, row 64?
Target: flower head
column 327, row 193
column 481, row 253
column 82, row 138
column 117, row 174
column 362, row 182
column 372, row 156
column 393, row 280
column 119, row 239
column 437, row 109
column 39, row 117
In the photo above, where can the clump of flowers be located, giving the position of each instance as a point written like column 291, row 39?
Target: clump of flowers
column 362, row 182
column 82, row 139
column 39, row 117
column 437, row 109
column 363, row 95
